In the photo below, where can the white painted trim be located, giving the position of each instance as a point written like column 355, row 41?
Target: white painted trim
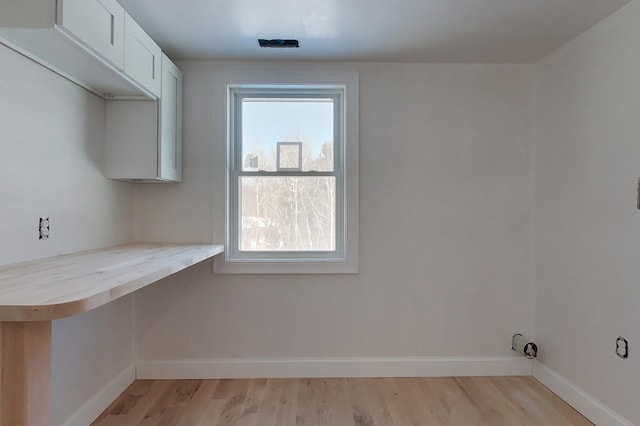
column 95, row 405
column 332, row 367
column 586, row 404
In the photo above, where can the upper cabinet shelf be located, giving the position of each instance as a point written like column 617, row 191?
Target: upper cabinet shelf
column 94, row 43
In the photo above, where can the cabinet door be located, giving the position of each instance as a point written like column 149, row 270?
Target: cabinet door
column 170, row 143
column 97, row 24
column 142, row 56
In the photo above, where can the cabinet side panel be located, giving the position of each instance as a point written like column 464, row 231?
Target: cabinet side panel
column 170, row 146
column 131, row 140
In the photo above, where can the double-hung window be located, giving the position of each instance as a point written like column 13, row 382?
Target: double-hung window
column 291, row 177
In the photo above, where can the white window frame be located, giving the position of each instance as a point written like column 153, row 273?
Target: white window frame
column 235, row 170
column 345, row 258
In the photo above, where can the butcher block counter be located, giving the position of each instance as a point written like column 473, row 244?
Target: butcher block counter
column 34, row 293
column 72, row 284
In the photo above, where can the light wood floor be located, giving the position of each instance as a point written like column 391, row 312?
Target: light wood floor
column 458, row 401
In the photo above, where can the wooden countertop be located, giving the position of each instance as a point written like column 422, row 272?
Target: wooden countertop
column 62, row 286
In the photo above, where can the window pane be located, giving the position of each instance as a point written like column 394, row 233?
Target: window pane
column 287, row 213
column 267, row 122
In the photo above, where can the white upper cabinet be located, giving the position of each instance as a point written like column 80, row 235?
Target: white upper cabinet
column 143, row 137
column 82, row 40
column 98, row 24
column 142, row 56
column 96, row 44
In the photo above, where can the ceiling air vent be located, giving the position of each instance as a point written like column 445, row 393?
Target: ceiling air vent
column 278, row 42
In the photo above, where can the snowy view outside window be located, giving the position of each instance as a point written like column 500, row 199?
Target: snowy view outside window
column 287, row 181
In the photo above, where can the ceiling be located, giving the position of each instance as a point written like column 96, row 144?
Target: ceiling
column 471, row 31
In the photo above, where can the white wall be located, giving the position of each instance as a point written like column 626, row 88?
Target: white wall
column 51, row 142
column 586, row 222
column 445, row 230
column 446, row 223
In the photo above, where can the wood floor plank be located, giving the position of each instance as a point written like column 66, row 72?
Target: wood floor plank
column 124, row 403
column 249, row 412
column 307, row 401
column 192, row 414
column 432, row 402
column 398, row 406
column 369, row 405
column 161, row 405
column 271, row 402
column 455, row 407
column 462, row 401
column 324, row 402
column 214, row 409
column 409, row 404
column 496, row 409
column 528, row 402
column 234, row 400
column 564, row 414
column 177, row 400
column 288, row 404
column 137, row 406
column 335, row 403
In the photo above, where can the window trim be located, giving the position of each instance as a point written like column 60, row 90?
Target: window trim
column 312, row 262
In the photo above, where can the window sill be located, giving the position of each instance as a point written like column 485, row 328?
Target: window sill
column 285, row 268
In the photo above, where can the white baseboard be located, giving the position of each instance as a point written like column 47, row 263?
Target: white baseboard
column 586, row 404
column 91, row 409
column 332, row 367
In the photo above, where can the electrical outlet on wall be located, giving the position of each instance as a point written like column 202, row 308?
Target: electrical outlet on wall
column 44, row 228
column 622, row 347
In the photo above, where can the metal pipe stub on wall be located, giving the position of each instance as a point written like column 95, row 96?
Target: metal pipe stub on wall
column 520, row 345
